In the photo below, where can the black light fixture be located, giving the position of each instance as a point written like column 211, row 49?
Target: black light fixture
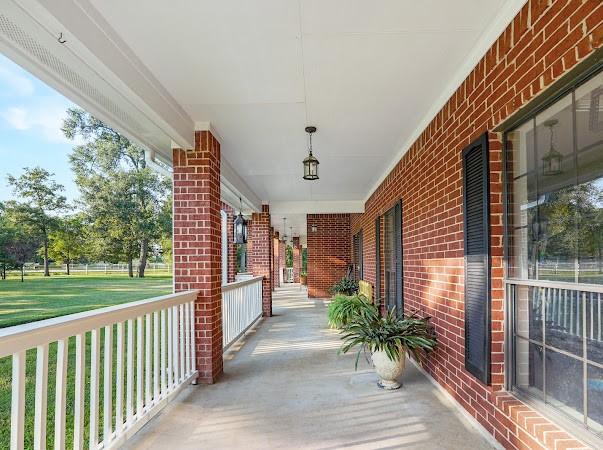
column 552, row 160
column 240, row 227
column 311, row 163
column 284, row 236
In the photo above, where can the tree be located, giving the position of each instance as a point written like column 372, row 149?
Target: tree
column 68, row 240
column 42, row 202
column 18, row 242
column 122, row 196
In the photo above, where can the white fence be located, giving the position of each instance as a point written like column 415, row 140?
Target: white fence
column 241, row 307
column 148, row 355
column 95, row 268
column 288, row 274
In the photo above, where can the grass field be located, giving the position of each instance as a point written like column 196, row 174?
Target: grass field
column 41, row 298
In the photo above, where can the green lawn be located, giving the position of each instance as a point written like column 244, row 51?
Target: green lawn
column 41, row 298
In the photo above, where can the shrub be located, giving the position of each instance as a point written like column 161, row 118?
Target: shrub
column 344, row 309
column 345, row 286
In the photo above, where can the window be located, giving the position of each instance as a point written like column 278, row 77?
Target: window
column 554, row 173
column 357, row 256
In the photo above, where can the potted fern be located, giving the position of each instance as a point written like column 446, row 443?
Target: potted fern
column 343, row 309
column 388, row 339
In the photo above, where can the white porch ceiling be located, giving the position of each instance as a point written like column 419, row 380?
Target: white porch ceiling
column 369, row 75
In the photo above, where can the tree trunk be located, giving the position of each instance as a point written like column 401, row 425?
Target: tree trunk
column 68, row 268
column 144, row 251
column 600, row 259
column 130, row 268
column 22, row 271
column 46, row 264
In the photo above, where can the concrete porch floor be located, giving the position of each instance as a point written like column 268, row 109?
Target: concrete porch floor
column 285, row 387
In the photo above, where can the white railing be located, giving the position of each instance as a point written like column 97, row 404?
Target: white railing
column 241, row 307
column 145, row 349
column 288, row 274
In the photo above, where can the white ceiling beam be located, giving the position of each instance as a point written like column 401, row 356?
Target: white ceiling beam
column 233, row 188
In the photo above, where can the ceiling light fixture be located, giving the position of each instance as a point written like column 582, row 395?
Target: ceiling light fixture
column 310, row 163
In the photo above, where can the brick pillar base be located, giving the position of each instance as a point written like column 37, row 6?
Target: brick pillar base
column 261, row 254
column 197, row 246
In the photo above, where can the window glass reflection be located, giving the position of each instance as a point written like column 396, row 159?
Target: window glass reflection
column 589, row 131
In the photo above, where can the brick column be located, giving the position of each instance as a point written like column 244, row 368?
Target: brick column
column 296, row 259
column 260, row 255
column 197, row 246
column 276, row 264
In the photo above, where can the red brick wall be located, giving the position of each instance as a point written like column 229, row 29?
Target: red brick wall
column 197, row 245
column 329, row 252
column 261, row 253
column 544, row 41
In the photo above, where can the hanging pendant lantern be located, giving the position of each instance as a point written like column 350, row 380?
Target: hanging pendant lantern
column 310, row 163
column 240, row 227
column 552, row 160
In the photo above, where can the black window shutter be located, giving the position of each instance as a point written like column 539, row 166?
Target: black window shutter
column 377, row 259
column 476, row 212
column 399, row 257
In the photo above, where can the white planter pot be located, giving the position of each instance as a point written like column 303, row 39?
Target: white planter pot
column 387, row 369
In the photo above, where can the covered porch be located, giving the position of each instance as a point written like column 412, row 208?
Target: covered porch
column 432, row 189
column 284, row 386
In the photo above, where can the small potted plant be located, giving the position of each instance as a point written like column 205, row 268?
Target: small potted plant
column 388, row 339
column 303, row 278
column 345, row 286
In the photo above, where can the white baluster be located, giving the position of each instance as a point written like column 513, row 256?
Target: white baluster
column 139, row 374
column 60, row 394
column 192, row 319
column 130, row 372
column 175, row 352
column 187, row 332
column 80, row 391
column 119, row 380
column 108, row 386
column 181, row 333
column 17, row 415
column 170, row 348
column 147, row 361
column 94, row 382
column 156, row 356
column 163, row 353
column 41, row 397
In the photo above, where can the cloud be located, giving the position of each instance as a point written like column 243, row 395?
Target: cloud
column 16, row 83
column 43, row 117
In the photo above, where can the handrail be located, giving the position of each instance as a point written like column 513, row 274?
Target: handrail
column 237, row 284
column 19, row 337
